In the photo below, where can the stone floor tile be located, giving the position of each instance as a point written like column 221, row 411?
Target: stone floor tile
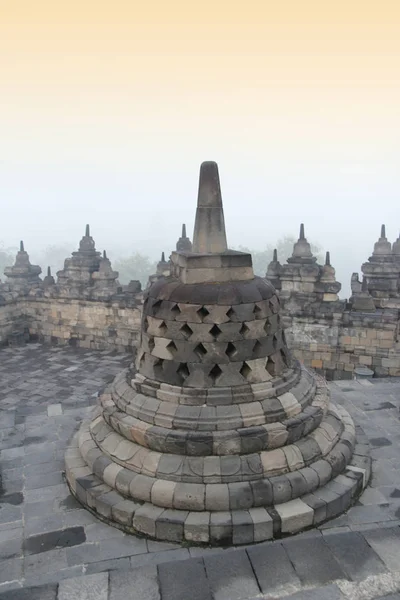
column 354, row 555
column 88, row 587
column 137, row 584
column 46, row 592
column 231, row 576
column 54, row 410
column 313, row 561
column 386, row 543
column 10, row 570
column 176, row 579
column 273, row 569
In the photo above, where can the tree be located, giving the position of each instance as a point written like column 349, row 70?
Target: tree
column 284, row 246
column 137, row 266
column 53, row 256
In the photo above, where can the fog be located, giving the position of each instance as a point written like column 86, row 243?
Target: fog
column 106, row 122
column 141, row 209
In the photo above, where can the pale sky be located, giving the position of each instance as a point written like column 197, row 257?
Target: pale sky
column 107, row 110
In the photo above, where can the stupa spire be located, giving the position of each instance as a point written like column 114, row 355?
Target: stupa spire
column 209, row 229
column 328, row 259
column 383, row 231
column 302, row 235
column 275, row 256
column 87, row 231
column 21, row 246
column 183, row 230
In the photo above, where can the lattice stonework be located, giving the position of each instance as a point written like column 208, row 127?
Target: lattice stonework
column 215, row 435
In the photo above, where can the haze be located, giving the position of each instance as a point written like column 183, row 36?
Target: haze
column 108, row 109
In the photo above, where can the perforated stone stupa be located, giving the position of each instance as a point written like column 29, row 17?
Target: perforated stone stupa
column 216, row 435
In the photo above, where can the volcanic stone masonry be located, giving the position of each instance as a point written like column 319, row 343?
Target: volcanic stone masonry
column 216, row 435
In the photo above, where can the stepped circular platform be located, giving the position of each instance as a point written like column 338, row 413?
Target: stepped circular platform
column 216, row 435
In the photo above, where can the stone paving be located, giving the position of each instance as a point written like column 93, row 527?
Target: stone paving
column 51, row 548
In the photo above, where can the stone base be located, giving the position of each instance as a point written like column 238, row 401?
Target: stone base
column 215, row 527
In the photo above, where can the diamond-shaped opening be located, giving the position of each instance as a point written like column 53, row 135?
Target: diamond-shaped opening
column 215, row 373
column 267, row 326
column 203, row 312
column 231, row 350
column 200, row 350
column 257, row 348
column 162, row 328
column 156, row 306
column 186, row 331
column 245, row 370
column 230, row 313
column 171, row 347
column 270, row 366
column 244, row 329
column 175, row 310
column 151, row 344
column 145, row 324
column 158, row 367
column 183, row 371
column 215, row 331
column 257, row 311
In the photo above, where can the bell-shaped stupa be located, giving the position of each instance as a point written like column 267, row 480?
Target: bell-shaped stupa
column 216, row 435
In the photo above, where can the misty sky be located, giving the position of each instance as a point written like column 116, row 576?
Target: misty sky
column 108, row 109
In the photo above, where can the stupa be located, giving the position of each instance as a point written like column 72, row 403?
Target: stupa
column 23, row 274
column 215, row 435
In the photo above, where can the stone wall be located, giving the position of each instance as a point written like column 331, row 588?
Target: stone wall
column 113, row 324
column 335, row 350
column 10, row 316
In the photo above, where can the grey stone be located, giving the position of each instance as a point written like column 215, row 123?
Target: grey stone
column 45, row 592
column 273, row 569
column 176, row 579
column 88, row 587
column 313, row 560
column 231, row 576
column 385, row 542
column 135, row 584
column 354, row 555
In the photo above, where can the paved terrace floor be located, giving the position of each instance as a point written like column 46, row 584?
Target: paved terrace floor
column 51, row 548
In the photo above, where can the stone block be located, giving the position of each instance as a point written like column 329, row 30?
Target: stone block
column 145, row 518
column 217, row 497
column 189, row 496
column 262, row 524
column 242, row 527
column 240, row 495
column 221, row 527
column 295, row 515
column 197, row 527
column 162, row 493
column 170, row 525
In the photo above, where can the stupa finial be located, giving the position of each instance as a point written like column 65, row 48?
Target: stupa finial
column 48, row 271
column 275, row 256
column 209, row 229
column 162, row 256
column 302, row 236
column 87, row 231
column 383, row 231
column 104, row 254
column 183, row 230
column 21, row 246
column 328, row 259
